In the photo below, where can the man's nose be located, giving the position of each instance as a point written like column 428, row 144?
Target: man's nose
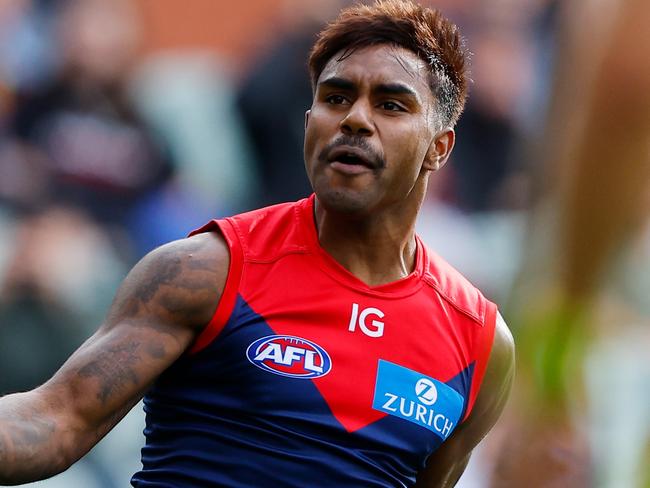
column 358, row 120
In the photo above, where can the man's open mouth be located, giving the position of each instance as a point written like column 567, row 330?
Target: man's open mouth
column 350, row 156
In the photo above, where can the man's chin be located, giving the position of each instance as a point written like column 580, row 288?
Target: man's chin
column 344, row 201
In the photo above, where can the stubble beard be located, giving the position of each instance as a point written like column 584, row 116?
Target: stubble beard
column 347, row 202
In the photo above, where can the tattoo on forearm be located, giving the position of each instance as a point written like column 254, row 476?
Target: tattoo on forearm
column 156, row 351
column 114, row 367
column 3, row 446
column 23, row 438
column 34, row 433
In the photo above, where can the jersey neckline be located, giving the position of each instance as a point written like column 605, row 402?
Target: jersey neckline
column 399, row 288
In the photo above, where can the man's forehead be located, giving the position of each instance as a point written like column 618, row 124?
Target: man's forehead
column 382, row 63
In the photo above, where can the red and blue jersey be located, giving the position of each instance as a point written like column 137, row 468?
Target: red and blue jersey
column 306, row 376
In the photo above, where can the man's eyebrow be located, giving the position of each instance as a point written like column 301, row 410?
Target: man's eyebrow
column 397, row 89
column 337, row 82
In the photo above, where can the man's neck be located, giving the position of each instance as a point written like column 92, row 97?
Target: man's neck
column 376, row 250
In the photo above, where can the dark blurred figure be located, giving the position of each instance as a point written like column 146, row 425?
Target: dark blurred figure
column 53, row 291
column 74, row 162
column 279, row 85
column 510, row 85
column 77, row 140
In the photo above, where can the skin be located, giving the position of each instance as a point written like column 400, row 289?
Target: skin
column 378, row 101
column 377, row 98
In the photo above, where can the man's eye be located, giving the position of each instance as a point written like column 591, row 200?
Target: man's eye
column 335, row 99
column 392, row 107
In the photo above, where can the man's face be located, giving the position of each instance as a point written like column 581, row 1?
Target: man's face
column 370, row 130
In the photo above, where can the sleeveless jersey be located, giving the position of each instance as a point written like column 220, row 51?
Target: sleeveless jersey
column 307, row 377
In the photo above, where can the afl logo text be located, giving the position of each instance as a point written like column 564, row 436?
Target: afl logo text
column 289, row 356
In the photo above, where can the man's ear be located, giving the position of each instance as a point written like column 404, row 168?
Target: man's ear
column 440, row 149
column 307, row 113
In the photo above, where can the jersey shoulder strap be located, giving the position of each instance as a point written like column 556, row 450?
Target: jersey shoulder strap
column 262, row 235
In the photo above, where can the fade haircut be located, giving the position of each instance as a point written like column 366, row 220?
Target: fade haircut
column 403, row 23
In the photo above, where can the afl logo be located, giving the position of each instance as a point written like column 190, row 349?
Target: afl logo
column 289, row 356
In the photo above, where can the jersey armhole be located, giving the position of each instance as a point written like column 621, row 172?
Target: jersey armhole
column 484, row 348
column 229, row 295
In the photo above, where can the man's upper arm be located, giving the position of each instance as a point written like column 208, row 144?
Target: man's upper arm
column 446, row 465
column 164, row 302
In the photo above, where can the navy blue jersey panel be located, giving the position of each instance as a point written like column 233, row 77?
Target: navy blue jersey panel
column 462, row 383
column 216, row 420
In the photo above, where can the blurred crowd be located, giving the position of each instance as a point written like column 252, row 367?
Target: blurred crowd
column 122, row 127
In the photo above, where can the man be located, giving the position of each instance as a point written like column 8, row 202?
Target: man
column 342, row 352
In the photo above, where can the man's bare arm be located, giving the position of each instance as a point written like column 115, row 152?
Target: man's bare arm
column 447, row 464
column 164, row 302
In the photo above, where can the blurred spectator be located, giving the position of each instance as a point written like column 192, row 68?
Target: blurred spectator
column 279, row 85
column 27, row 57
column 77, row 139
column 504, row 37
column 58, row 272
column 486, row 247
column 189, row 100
column 274, row 98
column 56, row 282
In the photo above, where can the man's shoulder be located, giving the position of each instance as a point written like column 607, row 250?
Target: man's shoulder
column 200, row 246
column 269, row 216
column 177, row 283
column 452, row 286
column 270, row 231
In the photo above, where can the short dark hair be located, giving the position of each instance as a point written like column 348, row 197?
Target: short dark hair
column 403, row 23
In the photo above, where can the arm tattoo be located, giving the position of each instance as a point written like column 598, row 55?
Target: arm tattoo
column 167, row 271
column 164, row 274
column 34, row 433
column 148, row 288
column 156, row 351
column 114, row 368
column 173, row 284
column 24, row 435
column 3, row 446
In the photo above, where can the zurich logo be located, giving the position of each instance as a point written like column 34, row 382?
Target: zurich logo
column 289, row 356
column 422, row 400
column 426, row 391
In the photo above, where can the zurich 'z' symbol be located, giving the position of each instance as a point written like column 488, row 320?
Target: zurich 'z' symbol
column 426, row 391
column 290, row 356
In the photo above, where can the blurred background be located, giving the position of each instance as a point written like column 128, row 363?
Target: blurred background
column 127, row 123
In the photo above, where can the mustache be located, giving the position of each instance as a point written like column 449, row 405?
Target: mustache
column 374, row 157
